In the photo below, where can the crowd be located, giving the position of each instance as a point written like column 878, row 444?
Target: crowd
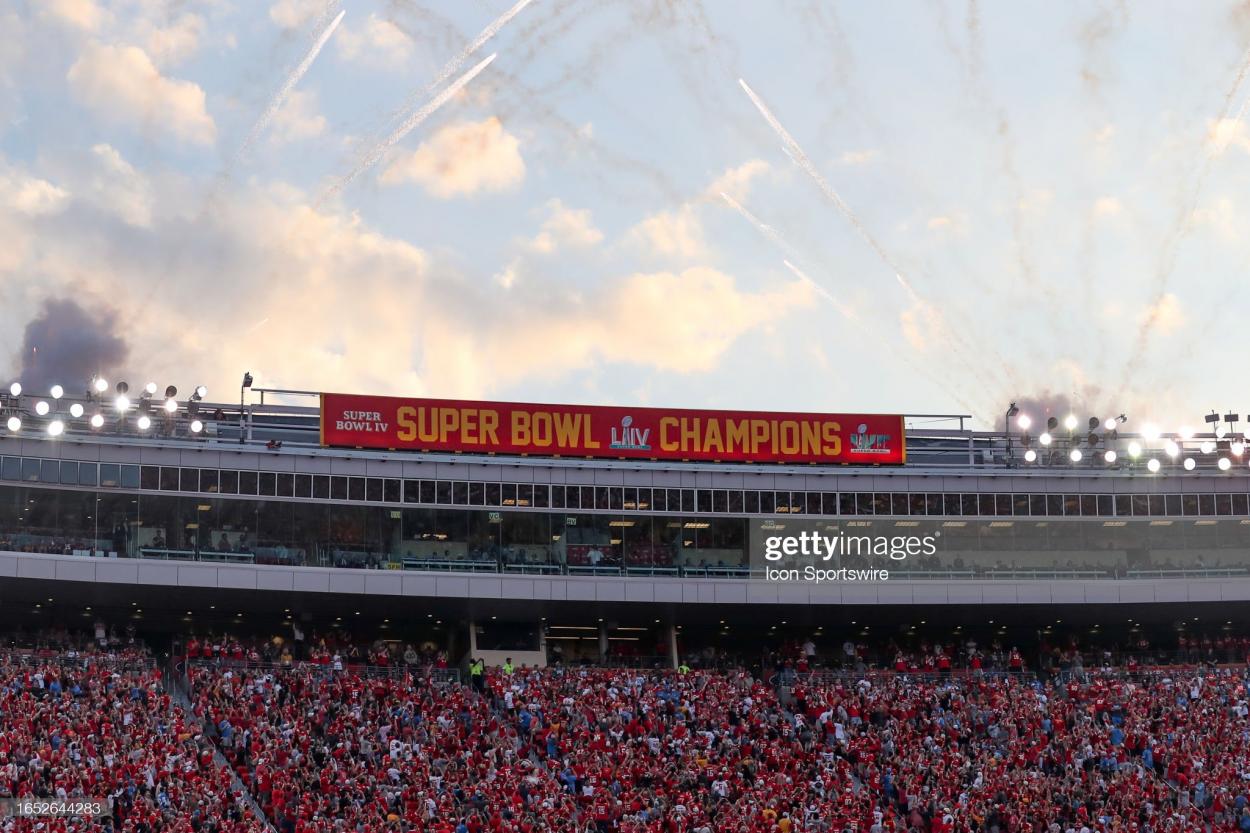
column 693, row 751
column 104, row 727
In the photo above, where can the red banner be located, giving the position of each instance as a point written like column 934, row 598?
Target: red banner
column 349, row 421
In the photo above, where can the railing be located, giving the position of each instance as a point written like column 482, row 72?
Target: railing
column 440, row 676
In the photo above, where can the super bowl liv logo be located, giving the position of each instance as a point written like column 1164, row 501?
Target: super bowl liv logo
column 633, row 439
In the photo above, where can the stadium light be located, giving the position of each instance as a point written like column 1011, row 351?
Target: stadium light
column 1186, row 432
column 1207, row 447
column 196, row 426
column 1225, row 464
column 171, row 405
column 56, row 428
column 97, row 420
column 1134, row 449
column 15, row 424
column 1076, row 455
column 1109, row 456
column 57, row 391
column 15, row 389
column 1045, row 438
column 1150, row 432
column 1221, row 431
column 75, row 410
column 150, row 388
column 1030, row 456
column 1172, row 448
column 100, row 384
column 201, row 391
column 144, row 422
column 42, row 408
column 1238, row 448
column 1023, row 422
column 1110, row 424
column 1189, row 464
column 122, row 403
column 1153, row 465
column 1069, row 422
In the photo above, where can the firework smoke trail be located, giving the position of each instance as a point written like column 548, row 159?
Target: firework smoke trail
column 284, row 91
column 407, row 127
column 796, row 154
column 1171, row 243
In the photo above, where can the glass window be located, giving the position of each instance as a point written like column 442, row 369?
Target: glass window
column 863, row 504
column 1037, row 505
column 1020, row 505
column 1054, row 505
column 953, row 505
column 767, row 503
column 442, row 492
column 338, row 487
column 900, row 504
column 588, row 496
column 720, row 501
column 69, row 473
column 11, row 468
column 674, row 499
column 429, row 489
column 616, row 498
column 373, row 489
column 229, row 482
column 169, row 479
column 286, row 485
column 1223, row 504
column 1105, row 505
column 50, row 471
column 87, row 474
column 149, row 477
column 355, row 488
column 1141, row 505
column 687, row 500
column 971, row 505
column 734, row 503
column 189, row 480
column 477, row 494
column 1002, row 505
column 1206, row 504
column 703, row 500
column 829, row 503
column 130, row 477
column 750, row 502
column 601, row 497
column 390, row 490
column 508, row 493
column 1089, row 505
column 460, row 493
column 644, row 498
column 110, row 474
column 492, row 494
column 247, row 482
column 1157, row 505
column 542, row 496
column 987, row 505
column 1123, row 505
column 1239, row 504
column 1189, row 504
column 846, row 504
column 933, row 504
column 320, row 486
column 1072, row 505
column 881, row 504
column 557, row 497
column 525, row 494
column 303, row 485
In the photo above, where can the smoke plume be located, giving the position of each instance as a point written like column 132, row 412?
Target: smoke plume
column 66, row 344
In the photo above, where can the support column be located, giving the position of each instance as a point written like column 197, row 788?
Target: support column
column 673, row 656
column 603, row 642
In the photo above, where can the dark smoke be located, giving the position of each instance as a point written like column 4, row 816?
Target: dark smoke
column 66, row 344
column 1057, row 405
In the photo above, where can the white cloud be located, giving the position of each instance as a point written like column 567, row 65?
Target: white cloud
column 292, row 14
column 83, row 14
column 173, row 43
column 379, row 43
column 859, row 157
column 1223, row 218
column 736, row 182
column 297, row 119
column 1165, row 315
column 676, row 233
column 29, row 195
column 121, row 83
column 115, row 186
column 1223, row 134
column 461, row 160
column 1107, row 207
column 565, row 227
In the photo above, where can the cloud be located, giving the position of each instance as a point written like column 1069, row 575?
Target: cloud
column 378, row 43
column 171, row 44
column 83, row 14
column 677, row 233
column 951, row 223
column 1223, row 134
column 29, row 195
column 461, row 160
column 1165, row 315
column 859, row 157
column 565, row 227
column 736, row 182
column 1107, row 207
column 120, row 83
column 113, row 185
column 1223, row 218
column 292, row 14
column 298, row 119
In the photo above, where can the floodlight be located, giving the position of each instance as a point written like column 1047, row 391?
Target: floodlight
column 1069, row 422
column 122, row 403
column 15, row 389
column 144, row 422
column 1189, row 464
column 1076, row 455
column 150, row 388
column 1024, row 421
column 100, row 384
column 196, row 426
column 1206, row 447
column 1045, row 438
column 15, row 424
column 42, row 408
column 1109, row 456
column 1172, row 448
column 201, row 391
column 1153, row 465
column 1134, row 449
column 1225, row 464
column 56, row 428
column 57, row 391
column 171, row 405
column 97, row 420
column 75, row 410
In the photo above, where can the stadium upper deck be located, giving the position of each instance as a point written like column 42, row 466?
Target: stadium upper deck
column 232, row 488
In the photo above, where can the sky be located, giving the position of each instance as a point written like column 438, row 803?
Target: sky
column 1031, row 201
